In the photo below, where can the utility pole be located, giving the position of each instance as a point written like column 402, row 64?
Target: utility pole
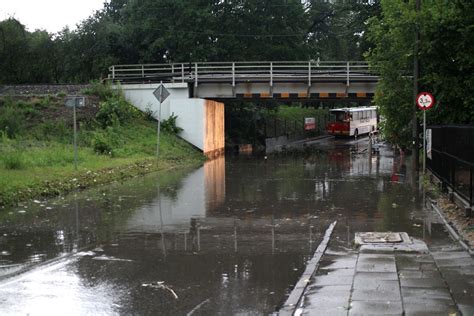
column 416, row 74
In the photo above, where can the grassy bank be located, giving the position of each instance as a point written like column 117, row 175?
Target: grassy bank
column 115, row 140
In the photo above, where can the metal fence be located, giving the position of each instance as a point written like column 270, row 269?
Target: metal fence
column 293, row 128
column 452, row 158
column 241, row 72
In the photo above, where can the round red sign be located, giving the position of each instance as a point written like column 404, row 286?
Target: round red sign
column 425, row 100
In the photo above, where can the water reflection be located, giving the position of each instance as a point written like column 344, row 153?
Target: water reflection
column 230, row 237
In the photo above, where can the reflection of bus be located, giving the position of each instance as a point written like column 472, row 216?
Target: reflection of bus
column 352, row 121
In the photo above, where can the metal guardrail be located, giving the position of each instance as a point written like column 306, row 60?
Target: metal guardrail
column 242, row 72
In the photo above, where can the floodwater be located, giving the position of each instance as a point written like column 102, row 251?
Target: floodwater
column 231, row 237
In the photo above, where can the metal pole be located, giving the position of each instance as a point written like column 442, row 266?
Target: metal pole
column 348, row 72
column 196, row 75
column 233, row 74
column 424, row 142
column 158, row 128
column 271, row 74
column 309, row 74
column 75, row 133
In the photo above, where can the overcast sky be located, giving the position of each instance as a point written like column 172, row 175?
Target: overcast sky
column 51, row 15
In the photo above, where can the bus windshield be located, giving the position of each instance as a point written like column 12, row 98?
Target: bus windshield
column 340, row 116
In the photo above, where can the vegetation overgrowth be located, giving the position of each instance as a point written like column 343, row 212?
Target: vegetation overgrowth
column 115, row 141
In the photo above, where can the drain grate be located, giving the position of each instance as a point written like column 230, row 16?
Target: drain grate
column 369, row 238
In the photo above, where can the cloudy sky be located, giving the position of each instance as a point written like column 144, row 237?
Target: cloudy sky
column 51, row 15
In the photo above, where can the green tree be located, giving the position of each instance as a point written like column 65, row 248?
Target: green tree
column 13, row 51
column 445, row 56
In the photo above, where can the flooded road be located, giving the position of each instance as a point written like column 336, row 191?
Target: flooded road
column 231, row 237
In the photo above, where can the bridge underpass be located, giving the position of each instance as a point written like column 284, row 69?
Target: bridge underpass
column 198, row 90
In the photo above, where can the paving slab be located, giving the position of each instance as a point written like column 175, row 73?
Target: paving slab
column 376, row 267
column 378, row 294
column 411, row 274
column 382, row 285
column 383, row 280
column 423, row 282
column 364, row 276
column 426, row 306
column 452, row 255
column 334, row 301
column 338, row 272
column 338, row 262
column 337, row 311
column 333, row 280
column 459, row 262
column 376, row 308
column 426, row 293
column 329, row 290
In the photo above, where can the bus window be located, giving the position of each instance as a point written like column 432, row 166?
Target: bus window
column 355, row 116
column 369, row 114
column 340, row 116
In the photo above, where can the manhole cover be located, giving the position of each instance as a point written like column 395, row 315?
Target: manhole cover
column 380, row 238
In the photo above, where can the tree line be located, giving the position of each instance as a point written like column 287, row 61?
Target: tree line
column 165, row 31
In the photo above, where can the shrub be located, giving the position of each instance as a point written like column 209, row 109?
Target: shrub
column 115, row 111
column 105, row 141
column 169, row 125
column 54, row 130
column 12, row 120
column 103, row 90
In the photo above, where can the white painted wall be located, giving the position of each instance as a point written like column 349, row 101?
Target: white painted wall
column 191, row 118
column 141, row 96
column 190, row 112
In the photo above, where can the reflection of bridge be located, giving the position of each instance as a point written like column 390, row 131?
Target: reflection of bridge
column 195, row 88
column 255, row 80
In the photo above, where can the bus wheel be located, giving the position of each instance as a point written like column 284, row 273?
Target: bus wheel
column 356, row 133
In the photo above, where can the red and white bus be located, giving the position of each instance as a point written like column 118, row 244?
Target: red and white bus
column 352, row 121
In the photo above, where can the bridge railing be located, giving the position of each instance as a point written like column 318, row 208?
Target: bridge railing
column 236, row 72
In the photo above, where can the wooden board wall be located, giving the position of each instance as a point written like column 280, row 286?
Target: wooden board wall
column 214, row 176
column 214, row 130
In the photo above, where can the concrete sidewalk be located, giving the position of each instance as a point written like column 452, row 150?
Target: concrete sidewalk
column 391, row 280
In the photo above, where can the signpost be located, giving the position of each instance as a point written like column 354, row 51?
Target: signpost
column 74, row 102
column 425, row 101
column 160, row 93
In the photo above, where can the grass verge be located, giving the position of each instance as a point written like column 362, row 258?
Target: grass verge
column 115, row 142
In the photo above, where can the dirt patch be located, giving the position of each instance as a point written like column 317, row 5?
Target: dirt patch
column 456, row 218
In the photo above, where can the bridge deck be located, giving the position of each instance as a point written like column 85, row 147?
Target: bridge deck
column 285, row 80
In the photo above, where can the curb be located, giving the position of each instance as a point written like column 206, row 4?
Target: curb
column 451, row 230
column 294, row 300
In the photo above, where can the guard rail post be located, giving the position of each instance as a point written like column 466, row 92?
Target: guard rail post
column 348, row 78
column 196, row 75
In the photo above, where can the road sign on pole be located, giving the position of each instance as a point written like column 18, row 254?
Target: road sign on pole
column 160, row 93
column 425, row 101
column 75, row 102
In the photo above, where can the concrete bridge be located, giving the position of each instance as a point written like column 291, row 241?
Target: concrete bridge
column 198, row 90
